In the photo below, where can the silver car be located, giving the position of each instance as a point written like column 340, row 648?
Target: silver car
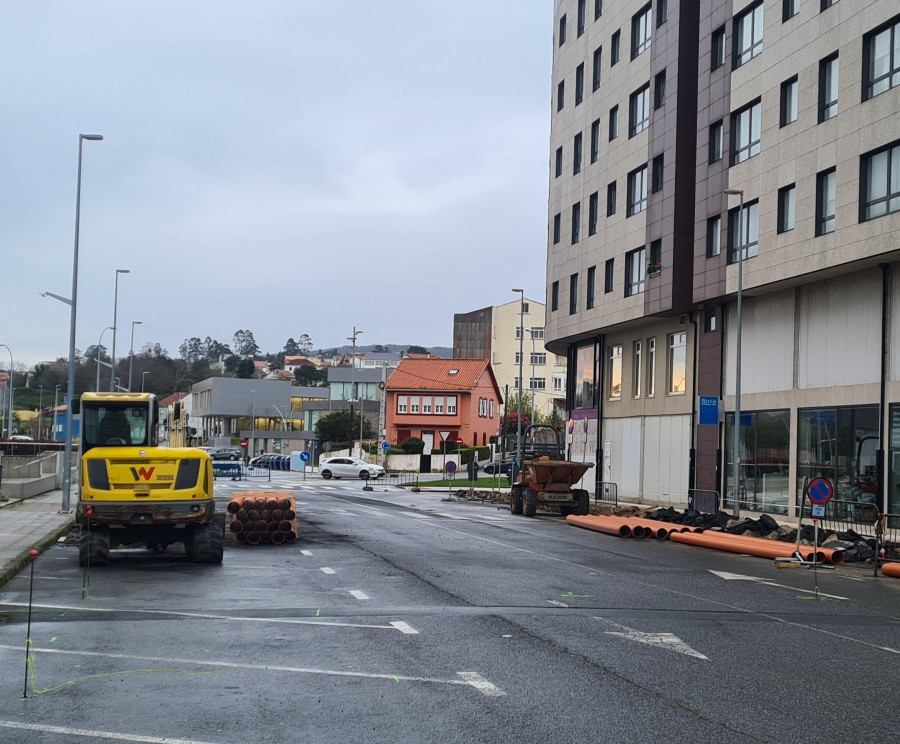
column 349, row 467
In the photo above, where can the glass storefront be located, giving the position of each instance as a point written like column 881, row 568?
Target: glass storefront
column 893, row 495
column 840, row 444
column 764, row 459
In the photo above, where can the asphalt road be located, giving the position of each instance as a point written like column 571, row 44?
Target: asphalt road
column 403, row 617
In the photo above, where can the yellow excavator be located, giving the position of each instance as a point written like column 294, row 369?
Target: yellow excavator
column 132, row 491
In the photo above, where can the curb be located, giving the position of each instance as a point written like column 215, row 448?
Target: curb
column 13, row 567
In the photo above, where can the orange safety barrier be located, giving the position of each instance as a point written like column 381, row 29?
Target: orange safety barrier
column 891, row 569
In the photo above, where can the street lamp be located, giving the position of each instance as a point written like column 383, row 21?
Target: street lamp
column 55, row 406
column 131, row 352
column 253, row 423
column 144, row 377
column 40, row 411
column 521, row 351
column 533, row 378
column 112, row 374
column 352, row 340
column 736, row 433
column 67, row 462
column 9, row 430
column 100, row 346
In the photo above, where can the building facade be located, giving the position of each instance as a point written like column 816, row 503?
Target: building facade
column 698, row 148
column 496, row 333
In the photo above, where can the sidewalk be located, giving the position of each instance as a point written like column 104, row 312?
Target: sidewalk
column 33, row 523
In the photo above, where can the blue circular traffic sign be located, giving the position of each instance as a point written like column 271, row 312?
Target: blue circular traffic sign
column 305, row 456
column 820, row 490
column 450, row 467
column 385, row 446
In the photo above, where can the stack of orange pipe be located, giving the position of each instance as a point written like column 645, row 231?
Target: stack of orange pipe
column 891, row 569
column 757, row 546
column 610, row 525
column 263, row 517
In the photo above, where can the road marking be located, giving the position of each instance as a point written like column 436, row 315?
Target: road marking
column 417, row 515
column 454, row 516
column 558, row 604
column 94, row 734
column 740, row 577
column 48, row 578
column 470, row 679
column 404, row 628
column 306, row 552
column 668, row 641
column 358, row 594
column 326, row 570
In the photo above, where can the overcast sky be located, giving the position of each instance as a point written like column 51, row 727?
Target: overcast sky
column 282, row 166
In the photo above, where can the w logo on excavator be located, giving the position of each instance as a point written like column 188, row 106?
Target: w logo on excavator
column 145, row 473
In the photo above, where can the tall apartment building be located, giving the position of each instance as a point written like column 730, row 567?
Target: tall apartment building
column 495, row 333
column 660, row 110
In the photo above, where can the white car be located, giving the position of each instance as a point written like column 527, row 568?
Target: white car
column 349, row 467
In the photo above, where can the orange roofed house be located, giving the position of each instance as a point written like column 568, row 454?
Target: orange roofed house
column 459, row 397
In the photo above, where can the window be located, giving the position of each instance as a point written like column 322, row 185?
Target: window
column 537, row 332
column 559, row 161
column 717, row 48
column 611, row 199
column 745, row 133
column 709, row 320
column 576, row 222
column 641, row 25
column 613, row 123
column 598, row 9
column 576, row 155
column 559, row 383
column 637, row 191
column 715, row 141
column 748, row 35
column 880, row 182
column 554, row 297
column 789, row 8
column 662, row 12
column 747, row 229
column 826, row 192
column 828, row 88
column 560, row 95
column 598, row 55
column 636, row 370
column 881, row 59
column 451, row 405
column 615, row 44
column 659, row 90
column 595, row 140
column 713, row 236
column 537, row 383
column 657, row 174
column 826, row 4
column 581, row 14
column 639, row 110
column 402, row 403
column 609, row 276
column 414, row 404
column 573, row 294
column 557, row 225
column 426, row 404
column 676, row 371
column 518, row 358
column 656, row 252
column 579, row 83
column 789, row 101
column 651, row 367
column 614, row 373
column 439, row 404
column 591, row 288
column 593, row 209
column 786, row 200
column 635, row 271
column 562, row 29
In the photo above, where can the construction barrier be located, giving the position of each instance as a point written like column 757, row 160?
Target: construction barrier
column 887, row 545
column 267, row 517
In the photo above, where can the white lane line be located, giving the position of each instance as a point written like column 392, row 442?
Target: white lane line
column 358, row 594
column 273, row 620
column 306, row 552
column 454, row 516
column 47, row 578
column 765, row 582
column 94, row 734
column 326, row 570
column 470, row 679
column 404, row 628
column 558, row 604
column 481, row 684
column 417, row 515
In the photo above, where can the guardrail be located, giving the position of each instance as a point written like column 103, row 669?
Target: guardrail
column 397, row 478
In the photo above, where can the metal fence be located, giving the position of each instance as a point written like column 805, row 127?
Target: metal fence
column 703, row 500
column 606, row 493
column 887, row 539
column 397, row 478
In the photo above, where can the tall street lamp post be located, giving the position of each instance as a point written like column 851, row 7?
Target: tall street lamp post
column 533, row 378
column 40, row 411
column 112, row 375
column 253, row 423
column 9, row 430
column 100, row 346
column 55, row 406
column 73, row 304
column 736, row 433
column 352, row 340
column 131, row 352
column 521, row 351
column 144, row 377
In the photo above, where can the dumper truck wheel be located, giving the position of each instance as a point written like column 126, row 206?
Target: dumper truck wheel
column 565, row 510
column 93, row 548
column 582, row 502
column 515, row 499
column 531, row 499
column 207, row 544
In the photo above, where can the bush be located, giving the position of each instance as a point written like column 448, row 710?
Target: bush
column 412, row 446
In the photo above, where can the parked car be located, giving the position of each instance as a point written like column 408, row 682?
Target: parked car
column 503, row 467
column 226, row 453
column 21, row 438
column 349, row 467
column 265, row 461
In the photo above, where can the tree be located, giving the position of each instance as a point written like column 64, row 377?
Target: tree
column 213, row 350
column 304, row 344
column 379, row 349
column 412, row 446
column 417, row 350
column 309, row 375
column 291, row 348
column 338, row 427
column 245, row 369
column 244, row 344
column 191, row 350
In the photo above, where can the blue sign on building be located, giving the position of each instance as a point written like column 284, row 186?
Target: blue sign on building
column 709, row 410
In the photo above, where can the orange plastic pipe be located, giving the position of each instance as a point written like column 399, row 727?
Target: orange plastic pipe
column 891, row 569
column 606, row 525
column 759, row 548
column 823, row 555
